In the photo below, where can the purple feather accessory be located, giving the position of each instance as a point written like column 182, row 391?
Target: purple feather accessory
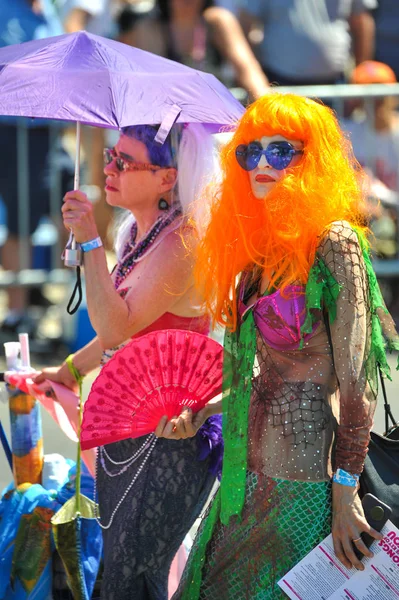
column 211, row 444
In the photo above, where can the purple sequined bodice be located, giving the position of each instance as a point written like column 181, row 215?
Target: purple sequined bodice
column 279, row 318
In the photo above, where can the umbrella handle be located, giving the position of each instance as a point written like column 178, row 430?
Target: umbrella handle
column 76, row 181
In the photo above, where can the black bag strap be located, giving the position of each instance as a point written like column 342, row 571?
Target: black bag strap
column 387, row 406
column 76, row 290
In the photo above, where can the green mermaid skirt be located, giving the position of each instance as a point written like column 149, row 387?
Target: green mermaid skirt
column 280, row 523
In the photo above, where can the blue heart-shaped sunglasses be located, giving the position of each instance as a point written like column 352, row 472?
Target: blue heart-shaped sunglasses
column 278, row 155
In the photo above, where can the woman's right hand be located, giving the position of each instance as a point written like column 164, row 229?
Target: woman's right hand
column 183, row 426
column 78, row 216
column 59, row 374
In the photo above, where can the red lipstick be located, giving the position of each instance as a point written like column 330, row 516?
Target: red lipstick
column 263, row 178
column 109, row 187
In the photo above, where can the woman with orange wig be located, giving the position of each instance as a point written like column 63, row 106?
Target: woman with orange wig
column 304, row 339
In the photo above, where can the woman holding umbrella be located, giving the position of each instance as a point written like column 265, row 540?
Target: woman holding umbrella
column 150, row 288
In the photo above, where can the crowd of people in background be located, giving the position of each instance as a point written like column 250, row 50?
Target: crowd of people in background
column 289, row 223
column 246, row 44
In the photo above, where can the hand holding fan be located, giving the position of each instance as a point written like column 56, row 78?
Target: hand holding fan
column 154, row 375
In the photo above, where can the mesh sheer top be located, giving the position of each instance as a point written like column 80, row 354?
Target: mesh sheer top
column 306, row 394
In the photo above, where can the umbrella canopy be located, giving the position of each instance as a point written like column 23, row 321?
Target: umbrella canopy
column 100, row 82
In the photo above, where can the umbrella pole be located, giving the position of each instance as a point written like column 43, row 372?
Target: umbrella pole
column 76, row 185
column 73, row 254
column 76, row 180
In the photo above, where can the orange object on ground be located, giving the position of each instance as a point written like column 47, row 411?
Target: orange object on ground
column 26, row 436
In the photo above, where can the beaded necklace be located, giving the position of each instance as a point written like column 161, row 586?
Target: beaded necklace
column 148, row 444
column 133, row 253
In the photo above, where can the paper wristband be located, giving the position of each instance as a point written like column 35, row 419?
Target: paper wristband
column 344, row 478
column 91, row 244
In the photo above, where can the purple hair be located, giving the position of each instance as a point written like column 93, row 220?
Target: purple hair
column 164, row 154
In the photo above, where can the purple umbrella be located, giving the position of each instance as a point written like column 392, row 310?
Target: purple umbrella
column 95, row 81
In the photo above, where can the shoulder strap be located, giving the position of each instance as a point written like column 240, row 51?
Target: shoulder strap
column 387, row 406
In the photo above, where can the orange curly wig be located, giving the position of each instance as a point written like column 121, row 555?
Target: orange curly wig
column 281, row 231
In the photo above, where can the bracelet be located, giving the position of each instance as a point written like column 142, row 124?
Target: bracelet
column 344, row 478
column 73, row 370
column 91, row 244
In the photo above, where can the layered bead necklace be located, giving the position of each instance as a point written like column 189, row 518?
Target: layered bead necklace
column 133, row 253
column 148, row 445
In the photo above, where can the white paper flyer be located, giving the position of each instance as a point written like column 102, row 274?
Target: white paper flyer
column 320, row 575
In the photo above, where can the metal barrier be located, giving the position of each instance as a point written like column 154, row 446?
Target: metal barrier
column 26, row 276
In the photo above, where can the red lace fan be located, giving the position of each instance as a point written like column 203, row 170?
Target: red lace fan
column 154, row 375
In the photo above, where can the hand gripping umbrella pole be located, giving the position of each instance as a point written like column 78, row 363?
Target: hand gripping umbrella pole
column 72, row 255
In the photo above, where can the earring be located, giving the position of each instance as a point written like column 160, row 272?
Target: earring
column 163, row 205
